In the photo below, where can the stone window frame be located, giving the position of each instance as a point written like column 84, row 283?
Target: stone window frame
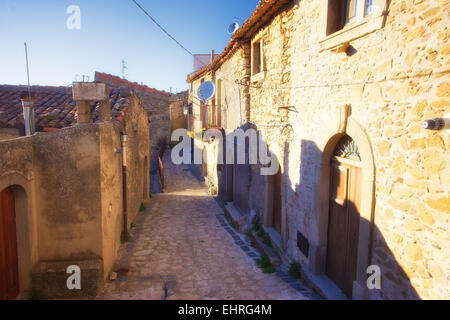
column 364, row 25
column 262, row 73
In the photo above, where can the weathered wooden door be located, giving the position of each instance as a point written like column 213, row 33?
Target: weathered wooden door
column 344, row 217
column 277, row 201
column 9, row 273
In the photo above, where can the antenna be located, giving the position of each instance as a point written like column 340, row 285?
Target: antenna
column 28, row 71
column 240, row 19
column 124, row 67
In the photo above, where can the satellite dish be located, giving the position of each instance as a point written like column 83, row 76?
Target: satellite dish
column 232, row 28
column 206, row 91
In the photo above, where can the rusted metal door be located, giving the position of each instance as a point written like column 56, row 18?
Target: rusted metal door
column 9, row 272
column 277, row 201
column 343, row 222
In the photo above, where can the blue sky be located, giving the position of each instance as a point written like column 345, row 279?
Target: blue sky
column 112, row 30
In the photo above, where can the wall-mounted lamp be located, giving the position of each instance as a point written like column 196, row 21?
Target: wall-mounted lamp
column 438, row 124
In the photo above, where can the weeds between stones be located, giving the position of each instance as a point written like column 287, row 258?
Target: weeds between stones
column 265, row 265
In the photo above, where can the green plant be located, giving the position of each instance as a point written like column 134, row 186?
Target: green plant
column 150, row 195
column 132, row 225
column 124, row 237
column 257, row 226
column 295, row 270
column 36, row 295
column 142, row 208
column 318, row 293
column 265, row 265
column 263, row 235
column 249, row 232
column 266, row 239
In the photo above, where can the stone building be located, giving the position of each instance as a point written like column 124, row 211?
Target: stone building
column 339, row 91
column 178, row 106
column 155, row 102
column 63, row 192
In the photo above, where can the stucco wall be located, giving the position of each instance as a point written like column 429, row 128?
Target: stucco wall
column 67, row 166
column 72, row 179
column 7, row 134
column 138, row 158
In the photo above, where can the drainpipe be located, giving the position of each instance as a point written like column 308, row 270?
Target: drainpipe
column 124, row 140
column 28, row 113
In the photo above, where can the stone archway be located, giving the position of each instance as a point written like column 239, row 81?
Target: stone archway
column 347, row 126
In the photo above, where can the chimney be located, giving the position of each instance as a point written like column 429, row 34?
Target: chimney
column 85, row 94
column 212, row 56
column 28, row 112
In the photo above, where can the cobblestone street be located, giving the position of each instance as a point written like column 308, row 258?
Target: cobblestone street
column 182, row 249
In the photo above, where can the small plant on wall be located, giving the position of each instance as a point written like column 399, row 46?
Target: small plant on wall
column 142, row 208
column 124, row 237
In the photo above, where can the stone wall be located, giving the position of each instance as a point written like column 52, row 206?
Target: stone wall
column 393, row 76
column 7, row 134
column 155, row 103
column 177, row 105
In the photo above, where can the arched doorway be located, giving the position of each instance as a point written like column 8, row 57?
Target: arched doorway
column 9, row 268
column 344, row 214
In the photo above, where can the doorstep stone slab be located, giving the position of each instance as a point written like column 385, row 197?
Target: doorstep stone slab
column 236, row 219
column 50, row 278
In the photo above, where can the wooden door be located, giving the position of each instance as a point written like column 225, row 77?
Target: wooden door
column 277, row 201
column 343, row 223
column 9, row 272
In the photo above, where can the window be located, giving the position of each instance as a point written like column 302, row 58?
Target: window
column 346, row 20
column 368, row 7
column 350, row 11
column 257, row 57
column 343, row 13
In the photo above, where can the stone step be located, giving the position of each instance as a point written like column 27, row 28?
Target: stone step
column 236, row 219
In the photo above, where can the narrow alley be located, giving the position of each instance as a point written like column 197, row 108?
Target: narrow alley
column 183, row 249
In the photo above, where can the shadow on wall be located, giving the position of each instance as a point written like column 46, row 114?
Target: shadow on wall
column 326, row 232
column 346, row 243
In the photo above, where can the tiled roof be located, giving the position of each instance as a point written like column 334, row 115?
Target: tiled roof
column 99, row 76
column 54, row 107
column 265, row 10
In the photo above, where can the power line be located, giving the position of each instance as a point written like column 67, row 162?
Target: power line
column 166, row 32
column 240, row 83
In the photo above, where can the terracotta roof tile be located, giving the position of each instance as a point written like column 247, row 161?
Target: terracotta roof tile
column 54, row 107
column 99, row 76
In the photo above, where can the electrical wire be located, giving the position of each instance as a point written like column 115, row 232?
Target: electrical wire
column 251, row 86
column 166, row 32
